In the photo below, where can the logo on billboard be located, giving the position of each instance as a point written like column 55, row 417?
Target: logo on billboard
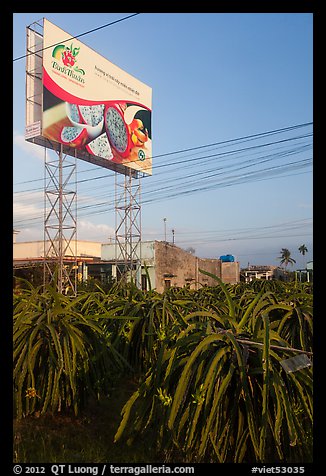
column 67, row 56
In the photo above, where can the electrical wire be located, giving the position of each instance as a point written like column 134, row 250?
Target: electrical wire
column 221, row 143
column 77, row 36
column 229, row 156
column 203, row 176
column 223, row 171
column 206, row 175
column 36, row 219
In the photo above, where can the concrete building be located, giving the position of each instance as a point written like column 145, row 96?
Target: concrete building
column 35, row 249
column 167, row 265
column 305, row 274
column 258, row 272
column 275, row 272
column 28, row 257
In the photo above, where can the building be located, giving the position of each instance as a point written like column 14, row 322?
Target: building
column 168, row 265
column 305, row 274
column 28, row 257
column 258, row 272
column 276, row 272
column 34, row 250
column 163, row 264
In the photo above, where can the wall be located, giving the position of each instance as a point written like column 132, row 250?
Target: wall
column 109, row 252
column 176, row 267
column 167, row 262
column 28, row 250
column 230, row 272
column 35, row 249
column 173, row 266
column 213, row 266
column 148, row 258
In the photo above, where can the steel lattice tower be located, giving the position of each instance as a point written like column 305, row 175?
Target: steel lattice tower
column 60, row 224
column 128, row 226
column 60, row 210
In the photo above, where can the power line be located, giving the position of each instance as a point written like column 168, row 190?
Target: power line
column 292, row 224
column 149, row 201
column 201, row 158
column 245, row 238
column 229, row 141
column 208, row 178
column 77, row 36
column 206, row 173
column 234, row 180
column 261, row 134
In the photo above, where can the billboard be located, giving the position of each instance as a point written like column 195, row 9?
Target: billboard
column 97, row 111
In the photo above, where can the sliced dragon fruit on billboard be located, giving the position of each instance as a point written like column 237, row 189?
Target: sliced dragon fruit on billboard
column 100, row 147
column 117, row 130
column 92, row 115
column 74, row 136
column 73, row 113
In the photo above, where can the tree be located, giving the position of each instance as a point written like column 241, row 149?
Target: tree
column 286, row 257
column 303, row 250
column 190, row 250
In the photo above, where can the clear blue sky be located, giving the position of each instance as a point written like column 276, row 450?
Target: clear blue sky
column 215, row 77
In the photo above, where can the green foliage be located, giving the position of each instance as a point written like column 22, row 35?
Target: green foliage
column 211, row 384
column 214, row 396
column 60, row 354
column 285, row 257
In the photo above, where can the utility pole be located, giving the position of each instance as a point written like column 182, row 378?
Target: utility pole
column 173, row 236
column 164, row 219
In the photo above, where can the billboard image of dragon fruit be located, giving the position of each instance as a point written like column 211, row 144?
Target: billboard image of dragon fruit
column 92, row 107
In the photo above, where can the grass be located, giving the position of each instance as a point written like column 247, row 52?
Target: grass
column 87, row 438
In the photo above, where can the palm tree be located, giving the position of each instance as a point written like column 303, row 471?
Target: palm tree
column 303, row 250
column 286, row 257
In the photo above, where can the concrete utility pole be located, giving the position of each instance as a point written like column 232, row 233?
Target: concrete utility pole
column 164, row 219
column 15, row 234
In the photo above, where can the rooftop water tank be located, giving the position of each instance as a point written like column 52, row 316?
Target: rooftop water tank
column 227, row 258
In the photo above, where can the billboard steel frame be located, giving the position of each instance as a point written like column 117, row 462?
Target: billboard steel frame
column 60, row 223
column 128, row 227
column 60, row 189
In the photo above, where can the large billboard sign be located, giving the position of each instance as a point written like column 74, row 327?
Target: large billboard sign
column 96, row 110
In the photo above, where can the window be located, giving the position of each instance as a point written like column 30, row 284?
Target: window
column 144, row 282
column 167, row 283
